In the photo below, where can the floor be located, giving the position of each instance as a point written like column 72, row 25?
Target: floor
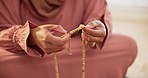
column 133, row 21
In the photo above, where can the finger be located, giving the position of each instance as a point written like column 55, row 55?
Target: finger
column 90, row 38
column 58, row 31
column 47, row 26
column 93, row 32
column 50, row 48
column 57, row 40
column 54, row 49
column 56, row 28
column 95, row 23
column 90, row 43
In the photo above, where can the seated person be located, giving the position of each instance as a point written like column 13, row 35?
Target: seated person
column 31, row 30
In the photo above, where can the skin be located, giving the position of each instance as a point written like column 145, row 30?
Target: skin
column 94, row 31
column 48, row 37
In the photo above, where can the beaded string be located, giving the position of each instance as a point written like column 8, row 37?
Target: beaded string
column 83, row 58
column 70, row 53
column 69, row 47
column 56, row 65
column 83, row 50
column 70, row 33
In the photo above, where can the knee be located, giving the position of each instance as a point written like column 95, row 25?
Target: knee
column 132, row 48
column 129, row 44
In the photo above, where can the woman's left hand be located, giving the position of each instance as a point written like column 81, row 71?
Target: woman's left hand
column 93, row 33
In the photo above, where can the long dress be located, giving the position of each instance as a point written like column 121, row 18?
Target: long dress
column 18, row 60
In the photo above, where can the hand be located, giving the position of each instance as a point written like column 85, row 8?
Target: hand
column 48, row 37
column 94, row 32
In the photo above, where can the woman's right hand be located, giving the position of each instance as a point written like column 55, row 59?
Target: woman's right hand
column 48, row 37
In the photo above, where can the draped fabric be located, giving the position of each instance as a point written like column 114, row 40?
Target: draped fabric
column 43, row 8
column 18, row 59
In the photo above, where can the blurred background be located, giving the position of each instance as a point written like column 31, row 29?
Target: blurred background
column 130, row 17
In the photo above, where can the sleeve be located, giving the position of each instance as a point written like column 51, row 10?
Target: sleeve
column 97, row 10
column 17, row 37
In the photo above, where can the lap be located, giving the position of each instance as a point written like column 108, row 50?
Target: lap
column 118, row 53
column 112, row 61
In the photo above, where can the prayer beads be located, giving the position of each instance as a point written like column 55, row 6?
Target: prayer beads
column 70, row 53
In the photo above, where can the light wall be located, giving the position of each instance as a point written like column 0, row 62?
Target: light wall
column 130, row 17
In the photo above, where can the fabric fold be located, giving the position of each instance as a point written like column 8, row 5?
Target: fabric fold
column 20, row 38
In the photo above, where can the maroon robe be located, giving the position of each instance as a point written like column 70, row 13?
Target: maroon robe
column 18, row 60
